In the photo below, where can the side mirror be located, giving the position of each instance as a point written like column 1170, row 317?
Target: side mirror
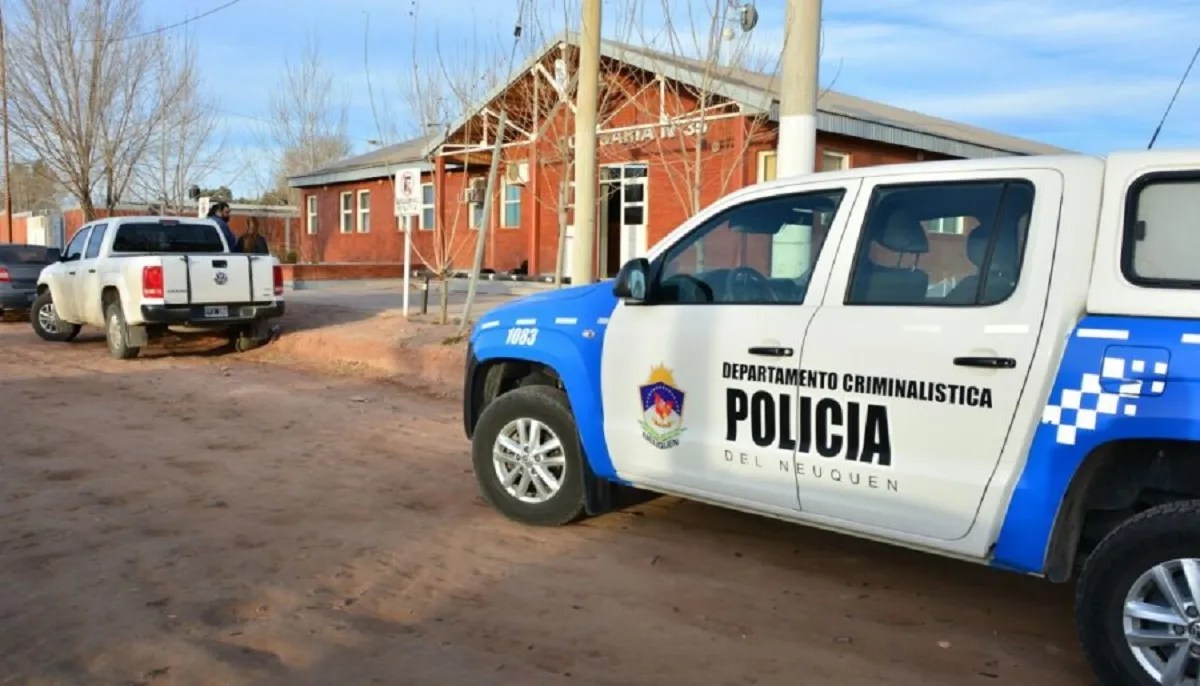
column 632, row 279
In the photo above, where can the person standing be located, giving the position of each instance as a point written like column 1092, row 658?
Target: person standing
column 253, row 242
column 220, row 213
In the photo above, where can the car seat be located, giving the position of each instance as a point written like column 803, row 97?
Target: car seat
column 881, row 284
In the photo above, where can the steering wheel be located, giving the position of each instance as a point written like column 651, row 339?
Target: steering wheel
column 684, row 282
column 738, row 285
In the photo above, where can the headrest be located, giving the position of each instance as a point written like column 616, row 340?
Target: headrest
column 977, row 242
column 1004, row 254
column 902, row 234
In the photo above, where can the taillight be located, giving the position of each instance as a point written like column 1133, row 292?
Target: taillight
column 152, row 282
column 5, row 277
column 278, row 275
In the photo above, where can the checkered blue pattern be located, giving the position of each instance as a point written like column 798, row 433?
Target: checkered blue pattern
column 1114, row 391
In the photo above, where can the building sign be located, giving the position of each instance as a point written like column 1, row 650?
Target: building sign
column 408, row 192
column 648, row 133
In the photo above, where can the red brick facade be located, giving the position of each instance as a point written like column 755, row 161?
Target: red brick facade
column 730, row 156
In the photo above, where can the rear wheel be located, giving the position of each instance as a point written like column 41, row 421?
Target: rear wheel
column 46, row 323
column 118, row 333
column 527, row 457
column 1138, row 600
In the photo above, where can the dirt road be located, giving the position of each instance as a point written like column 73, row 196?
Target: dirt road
column 200, row 520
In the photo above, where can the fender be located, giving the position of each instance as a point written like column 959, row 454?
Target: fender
column 563, row 330
column 1121, row 378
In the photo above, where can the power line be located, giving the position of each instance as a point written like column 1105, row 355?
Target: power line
column 1176, row 95
column 167, row 27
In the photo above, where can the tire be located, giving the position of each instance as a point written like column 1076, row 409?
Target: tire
column 46, row 324
column 548, row 407
column 117, row 333
column 1122, row 566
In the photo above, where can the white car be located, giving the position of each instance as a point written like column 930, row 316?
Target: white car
column 993, row 360
column 138, row 277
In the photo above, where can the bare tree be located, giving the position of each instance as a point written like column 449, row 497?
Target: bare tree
column 307, row 121
column 34, row 188
column 184, row 148
column 83, row 91
column 438, row 97
column 693, row 120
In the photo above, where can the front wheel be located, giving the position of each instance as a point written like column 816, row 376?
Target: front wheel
column 46, row 323
column 527, row 457
column 1138, row 600
column 118, row 333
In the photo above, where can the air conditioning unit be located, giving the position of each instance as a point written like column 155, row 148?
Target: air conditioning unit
column 472, row 195
column 516, row 173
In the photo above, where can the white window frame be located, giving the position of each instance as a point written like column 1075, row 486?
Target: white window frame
column 505, row 202
column 346, row 210
column 312, row 215
column 430, row 207
column 842, row 157
column 951, row 226
column 364, row 214
column 763, row 156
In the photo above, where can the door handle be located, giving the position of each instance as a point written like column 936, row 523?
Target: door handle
column 71, row 273
column 91, row 271
column 771, row 351
column 986, row 362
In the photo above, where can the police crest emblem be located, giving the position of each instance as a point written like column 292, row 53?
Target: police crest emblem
column 662, row 409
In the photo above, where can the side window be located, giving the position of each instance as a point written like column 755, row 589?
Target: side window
column 948, row 244
column 1162, row 240
column 93, row 245
column 74, row 249
column 760, row 252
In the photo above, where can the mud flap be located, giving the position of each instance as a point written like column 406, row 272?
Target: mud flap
column 137, row 336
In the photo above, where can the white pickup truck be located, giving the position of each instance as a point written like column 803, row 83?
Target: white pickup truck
column 138, row 277
column 992, row 360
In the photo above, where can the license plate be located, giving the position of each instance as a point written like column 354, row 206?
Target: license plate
column 216, row 311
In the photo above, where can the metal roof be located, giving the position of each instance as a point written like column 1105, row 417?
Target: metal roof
column 837, row 113
column 375, row 164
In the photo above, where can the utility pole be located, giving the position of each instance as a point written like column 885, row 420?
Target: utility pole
column 7, row 170
column 797, row 147
column 586, row 102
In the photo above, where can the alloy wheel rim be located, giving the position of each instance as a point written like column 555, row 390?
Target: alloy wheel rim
column 529, row 461
column 1161, row 621
column 48, row 318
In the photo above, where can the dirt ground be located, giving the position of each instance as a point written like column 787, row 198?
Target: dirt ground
column 200, row 519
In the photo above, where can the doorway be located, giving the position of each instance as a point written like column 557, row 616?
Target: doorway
column 622, row 214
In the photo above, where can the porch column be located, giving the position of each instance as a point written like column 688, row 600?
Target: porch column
column 534, row 211
column 439, row 204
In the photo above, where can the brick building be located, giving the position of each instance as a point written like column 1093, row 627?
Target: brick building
column 674, row 134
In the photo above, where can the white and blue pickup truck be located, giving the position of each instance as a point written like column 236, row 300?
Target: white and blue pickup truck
column 993, row 360
column 140, row 277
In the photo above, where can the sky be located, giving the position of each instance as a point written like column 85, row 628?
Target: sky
column 1087, row 75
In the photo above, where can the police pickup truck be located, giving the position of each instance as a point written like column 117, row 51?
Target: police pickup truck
column 138, row 277
column 994, row 360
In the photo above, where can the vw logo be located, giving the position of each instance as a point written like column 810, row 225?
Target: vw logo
column 220, row 278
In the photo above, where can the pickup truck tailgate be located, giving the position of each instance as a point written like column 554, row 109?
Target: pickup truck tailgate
column 221, row 278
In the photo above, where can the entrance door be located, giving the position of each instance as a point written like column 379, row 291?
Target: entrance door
column 633, row 211
column 699, row 380
column 926, row 378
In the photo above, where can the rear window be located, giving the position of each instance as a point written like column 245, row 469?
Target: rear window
column 24, row 254
column 157, row 237
column 1162, row 231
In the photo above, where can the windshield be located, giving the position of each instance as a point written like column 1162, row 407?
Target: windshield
column 24, row 254
column 169, row 237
